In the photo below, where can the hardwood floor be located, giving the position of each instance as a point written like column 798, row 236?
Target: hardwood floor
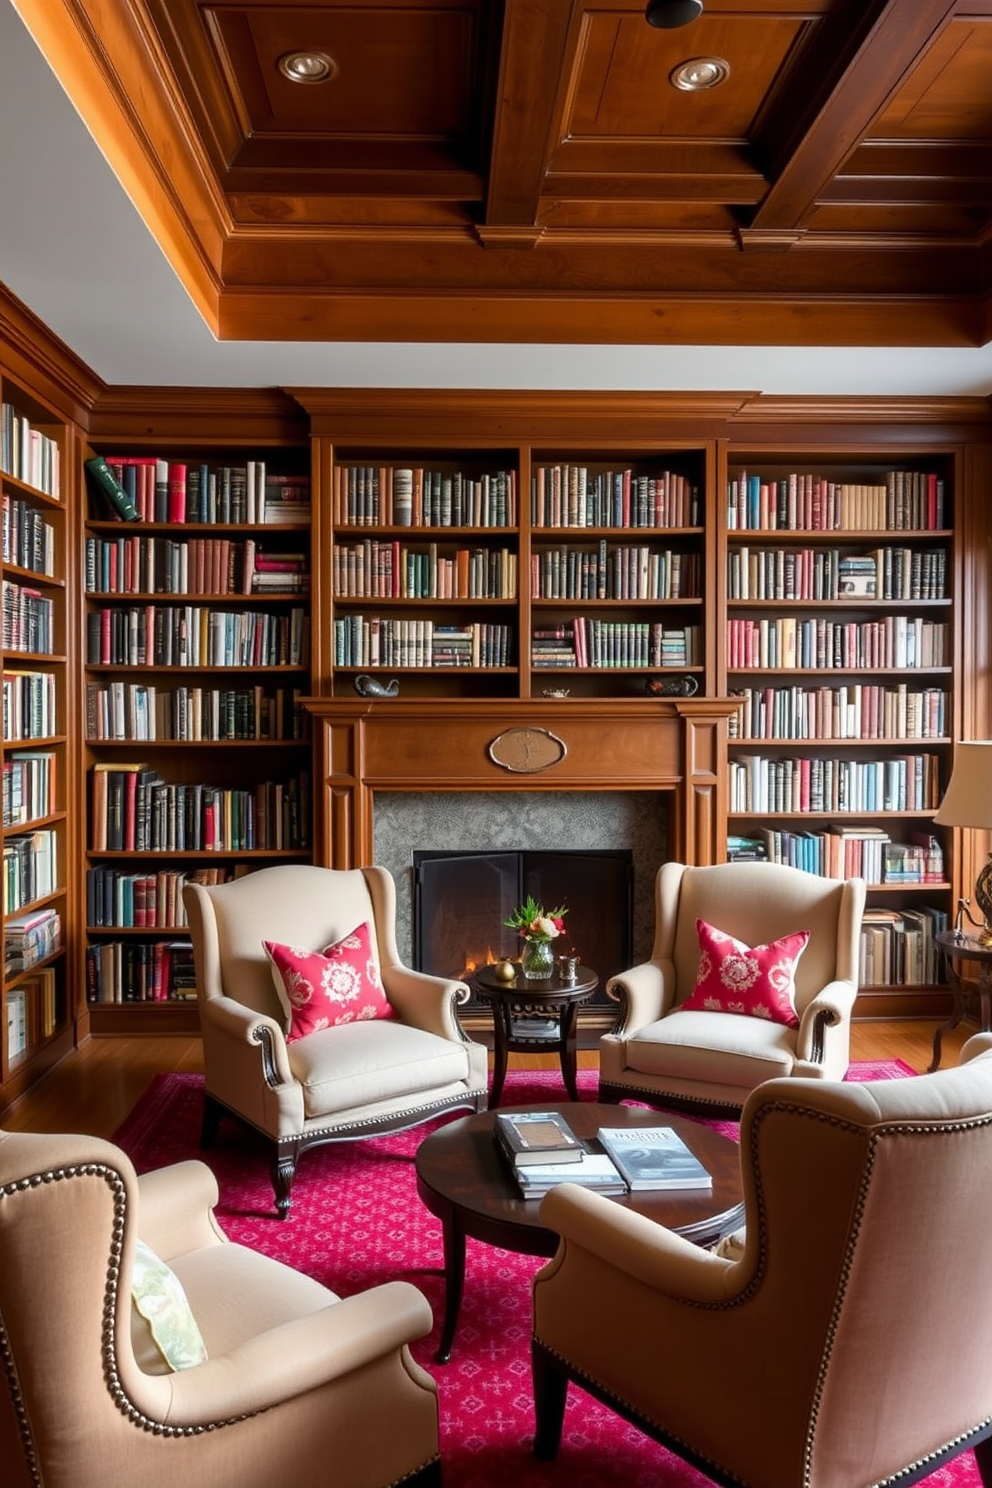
column 94, row 1088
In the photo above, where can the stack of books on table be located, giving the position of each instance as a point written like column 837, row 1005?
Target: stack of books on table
column 543, row 1151
column 653, row 1157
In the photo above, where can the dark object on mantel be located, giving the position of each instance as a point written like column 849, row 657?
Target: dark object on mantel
column 686, row 686
column 372, row 687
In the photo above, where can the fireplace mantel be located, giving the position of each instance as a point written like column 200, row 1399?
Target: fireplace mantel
column 361, row 745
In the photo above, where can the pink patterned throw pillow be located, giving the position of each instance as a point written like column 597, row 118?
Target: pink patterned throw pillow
column 756, row 981
column 340, row 984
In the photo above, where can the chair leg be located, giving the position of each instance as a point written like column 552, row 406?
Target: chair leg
column 983, row 1457
column 284, row 1160
column 550, row 1394
column 211, row 1122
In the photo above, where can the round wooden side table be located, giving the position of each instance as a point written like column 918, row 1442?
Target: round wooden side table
column 957, row 950
column 531, row 1017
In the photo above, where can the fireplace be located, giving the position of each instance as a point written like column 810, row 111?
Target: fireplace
column 644, row 773
column 461, row 900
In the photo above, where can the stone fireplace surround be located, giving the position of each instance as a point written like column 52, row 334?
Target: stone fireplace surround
column 366, row 748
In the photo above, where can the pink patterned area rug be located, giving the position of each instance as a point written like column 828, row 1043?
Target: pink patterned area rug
column 357, row 1221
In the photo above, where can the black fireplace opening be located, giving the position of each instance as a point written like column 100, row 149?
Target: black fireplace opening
column 461, row 900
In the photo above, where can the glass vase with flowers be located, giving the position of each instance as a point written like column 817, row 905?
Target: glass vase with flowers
column 537, row 928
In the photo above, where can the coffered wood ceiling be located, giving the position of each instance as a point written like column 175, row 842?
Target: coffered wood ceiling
column 525, row 170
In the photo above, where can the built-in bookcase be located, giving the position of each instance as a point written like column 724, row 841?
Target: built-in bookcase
column 197, row 645
column 35, row 474
column 840, row 643
column 515, row 571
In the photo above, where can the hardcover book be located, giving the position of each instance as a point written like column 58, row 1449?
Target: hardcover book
column 653, row 1157
column 596, row 1170
column 537, row 1137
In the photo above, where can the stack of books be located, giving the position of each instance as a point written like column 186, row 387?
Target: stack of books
column 543, row 1151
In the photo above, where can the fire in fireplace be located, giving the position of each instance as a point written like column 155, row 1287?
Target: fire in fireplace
column 461, row 900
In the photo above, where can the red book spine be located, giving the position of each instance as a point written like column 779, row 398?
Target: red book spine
column 177, row 493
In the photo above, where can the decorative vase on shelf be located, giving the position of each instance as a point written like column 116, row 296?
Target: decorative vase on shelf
column 538, row 959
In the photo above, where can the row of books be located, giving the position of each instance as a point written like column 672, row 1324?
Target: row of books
column 840, row 852
column 30, row 938
column 28, row 622
column 625, row 571
column 388, row 569
column 117, row 899
column 827, row 573
column 904, row 501
column 29, row 780
column 27, row 453
column 140, row 971
column 30, row 869
column 208, row 565
column 758, row 783
column 132, row 809
column 196, row 636
column 132, row 710
column 898, row 946
column 413, row 496
column 858, row 711
column 146, row 488
column 585, row 642
column 30, row 709
column 378, row 641
column 575, row 496
column 31, row 1011
column 897, row 641
column 28, row 538
column 542, row 1151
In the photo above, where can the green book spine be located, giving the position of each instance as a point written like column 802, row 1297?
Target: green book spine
column 111, row 487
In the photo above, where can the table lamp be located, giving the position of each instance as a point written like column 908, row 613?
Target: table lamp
column 968, row 803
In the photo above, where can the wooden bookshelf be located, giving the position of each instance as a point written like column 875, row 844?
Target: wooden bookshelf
column 36, row 474
column 196, row 637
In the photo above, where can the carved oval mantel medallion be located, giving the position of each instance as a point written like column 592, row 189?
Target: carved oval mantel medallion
column 526, row 751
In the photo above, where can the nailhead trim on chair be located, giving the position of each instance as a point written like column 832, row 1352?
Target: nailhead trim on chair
column 108, row 1352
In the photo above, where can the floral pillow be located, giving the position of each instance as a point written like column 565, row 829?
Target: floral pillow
column 340, row 984
column 159, row 1297
column 756, row 981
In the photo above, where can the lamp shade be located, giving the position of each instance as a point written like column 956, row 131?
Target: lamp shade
column 968, row 799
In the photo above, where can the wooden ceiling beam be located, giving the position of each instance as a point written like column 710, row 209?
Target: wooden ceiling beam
column 872, row 60
column 535, row 41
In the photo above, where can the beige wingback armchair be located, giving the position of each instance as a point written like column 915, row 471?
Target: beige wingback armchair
column 708, row 1062
column 848, row 1345
column 296, row 1384
column 358, row 1080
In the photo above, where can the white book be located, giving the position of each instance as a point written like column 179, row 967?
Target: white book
column 653, row 1157
column 596, row 1170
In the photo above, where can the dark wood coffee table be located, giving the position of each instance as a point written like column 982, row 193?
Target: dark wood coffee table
column 462, row 1179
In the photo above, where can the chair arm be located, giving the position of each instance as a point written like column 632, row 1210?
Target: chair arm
column 176, row 1209
column 425, row 1001
column 830, row 1007
column 241, row 1026
column 298, row 1356
column 645, row 993
column 635, row 1245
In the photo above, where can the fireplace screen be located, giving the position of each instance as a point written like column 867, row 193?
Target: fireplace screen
column 462, row 898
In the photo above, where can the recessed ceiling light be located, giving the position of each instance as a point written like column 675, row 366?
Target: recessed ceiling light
column 307, row 67
column 699, row 73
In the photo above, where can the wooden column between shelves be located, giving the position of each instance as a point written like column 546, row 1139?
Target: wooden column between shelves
column 364, row 745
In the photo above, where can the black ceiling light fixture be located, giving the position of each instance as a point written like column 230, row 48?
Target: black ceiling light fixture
column 668, row 15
